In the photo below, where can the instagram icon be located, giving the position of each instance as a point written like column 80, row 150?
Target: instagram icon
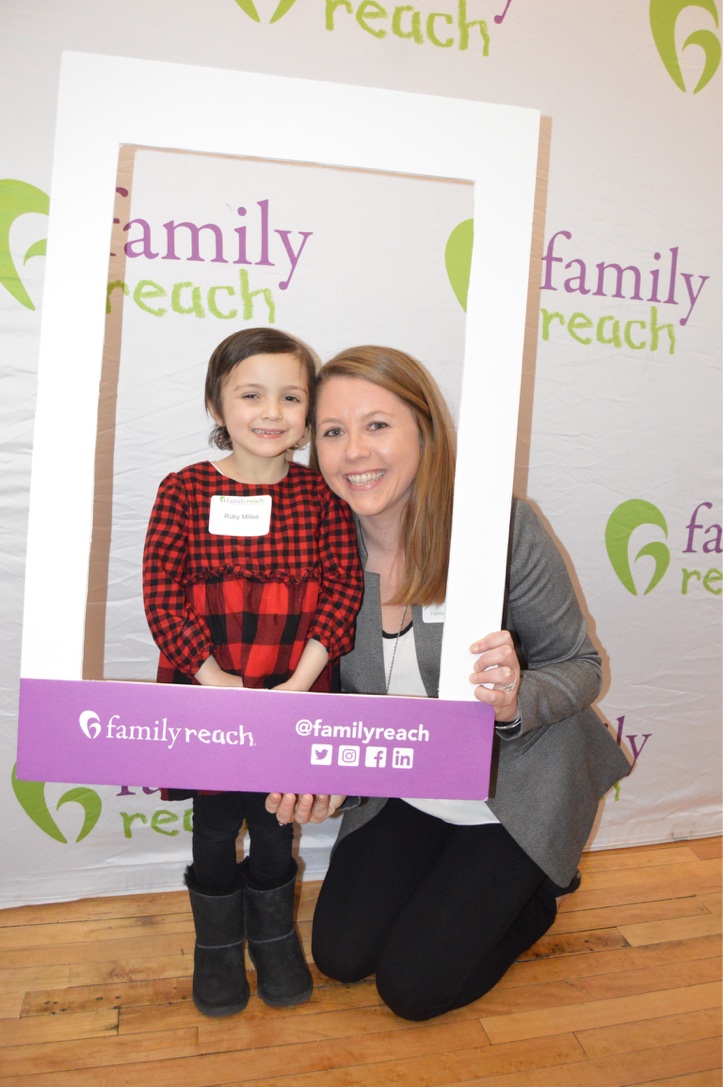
column 348, row 756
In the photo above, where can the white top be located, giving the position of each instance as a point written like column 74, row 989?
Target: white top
column 400, row 655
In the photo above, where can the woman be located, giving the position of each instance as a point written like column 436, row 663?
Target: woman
column 438, row 898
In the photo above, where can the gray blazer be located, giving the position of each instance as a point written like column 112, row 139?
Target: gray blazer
column 548, row 779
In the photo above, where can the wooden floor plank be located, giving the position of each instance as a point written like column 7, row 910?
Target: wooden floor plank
column 584, row 1015
column 84, row 909
column 711, row 1078
column 333, row 1066
column 654, row 856
column 628, row 983
column 450, row 1068
column 610, row 962
column 658, row 932
column 624, row 991
column 66, row 1056
column 147, row 926
column 55, row 1028
column 650, row 1033
column 575, row 918
column 631, row 1070
column 705, row 848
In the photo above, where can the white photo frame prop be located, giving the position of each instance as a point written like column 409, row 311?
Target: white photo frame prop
column 105, row 102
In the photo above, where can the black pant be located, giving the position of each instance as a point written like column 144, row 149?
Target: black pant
column 217, row 819
column 438, row 912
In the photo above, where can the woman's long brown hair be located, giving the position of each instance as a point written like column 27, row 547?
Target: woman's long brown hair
column 427, row 519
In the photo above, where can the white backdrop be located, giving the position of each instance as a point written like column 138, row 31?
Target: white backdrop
column 619, row 442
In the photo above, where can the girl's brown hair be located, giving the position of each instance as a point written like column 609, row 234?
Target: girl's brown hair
column 427, row 519
column 242, row 345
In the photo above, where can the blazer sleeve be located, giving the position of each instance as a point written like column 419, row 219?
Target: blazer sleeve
column 562, row 672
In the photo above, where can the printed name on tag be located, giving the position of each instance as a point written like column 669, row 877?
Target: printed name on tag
column 240, row 516
column 433, row 613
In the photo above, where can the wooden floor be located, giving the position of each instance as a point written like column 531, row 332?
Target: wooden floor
column 625, row 989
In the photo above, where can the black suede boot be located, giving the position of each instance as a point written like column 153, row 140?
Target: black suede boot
column 219, row 974
column 283, row 977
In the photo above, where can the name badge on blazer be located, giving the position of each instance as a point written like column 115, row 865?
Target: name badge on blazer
column 433, row 613
column 240, row 516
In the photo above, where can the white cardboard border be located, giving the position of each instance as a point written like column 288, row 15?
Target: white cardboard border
column 108, row 101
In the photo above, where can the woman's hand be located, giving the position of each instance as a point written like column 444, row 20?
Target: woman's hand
column 497, row 674
column 302, row 808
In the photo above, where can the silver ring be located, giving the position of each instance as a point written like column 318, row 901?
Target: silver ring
column 509, row 686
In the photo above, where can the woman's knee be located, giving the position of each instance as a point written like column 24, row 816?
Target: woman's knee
column 337, row 954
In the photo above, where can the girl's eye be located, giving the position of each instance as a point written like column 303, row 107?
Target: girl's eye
column 249, row 396
column 332, row 432
column 293, row 399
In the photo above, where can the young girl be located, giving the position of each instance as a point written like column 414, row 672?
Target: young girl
column 269, row 606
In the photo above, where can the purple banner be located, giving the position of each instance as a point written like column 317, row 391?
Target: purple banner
column 110, row 733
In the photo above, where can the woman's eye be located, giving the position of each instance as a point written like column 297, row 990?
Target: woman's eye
column 378, row 425
column 332, row 432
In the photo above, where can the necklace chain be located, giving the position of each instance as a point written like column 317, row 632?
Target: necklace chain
column 394, row 651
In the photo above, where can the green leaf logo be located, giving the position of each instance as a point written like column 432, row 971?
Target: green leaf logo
column 663, row 18
column 31, row 798
column 18, row 198
column 249, row 8
column 622, row 523
column 458, row 259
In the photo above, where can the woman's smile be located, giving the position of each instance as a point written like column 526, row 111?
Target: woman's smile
column 363, row 479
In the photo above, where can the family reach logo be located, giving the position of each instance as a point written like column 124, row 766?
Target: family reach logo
column 636, row 514
column 664, row 16
column 30, row 795
column 442, row 29
column 18, row 198
column 249, row 8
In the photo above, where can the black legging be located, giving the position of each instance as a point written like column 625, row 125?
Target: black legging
column 217, row 819
column 439, row 912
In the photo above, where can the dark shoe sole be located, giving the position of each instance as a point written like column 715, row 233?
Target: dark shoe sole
column 286, row 1002
column 558, row 891
column 219, row 1011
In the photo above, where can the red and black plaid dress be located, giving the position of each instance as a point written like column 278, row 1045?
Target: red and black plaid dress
column 252, row 601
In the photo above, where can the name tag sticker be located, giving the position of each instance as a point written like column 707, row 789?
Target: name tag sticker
column 433, row 613
column 240, row 516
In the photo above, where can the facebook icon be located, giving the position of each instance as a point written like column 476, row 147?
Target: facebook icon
column 375, row 756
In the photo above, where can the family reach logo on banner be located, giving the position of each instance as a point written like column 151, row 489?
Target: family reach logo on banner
column 664, row 16
column 663, row 283
column 463, row 28
column 33, row 799
column 702, row 537
column 442, row 29
column 251, row 238
column 18, row 198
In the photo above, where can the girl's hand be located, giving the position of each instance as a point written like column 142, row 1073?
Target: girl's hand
column 211, row 674
column 497, row 674
column 302, row 808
